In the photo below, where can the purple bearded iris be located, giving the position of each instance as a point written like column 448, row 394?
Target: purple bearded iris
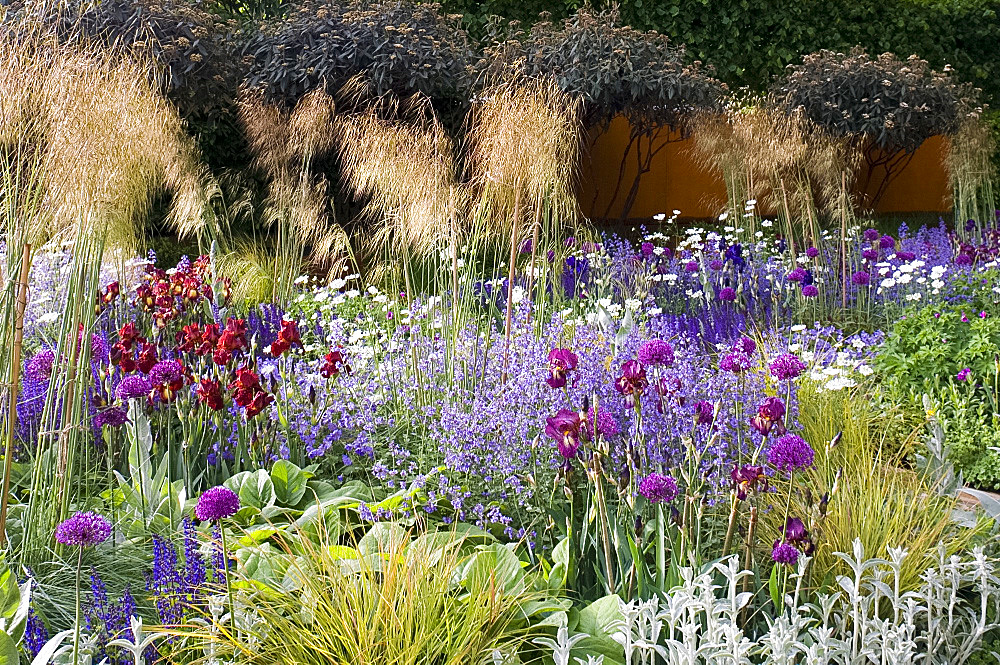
column 561, row 363
column 564, row 428
column 633, row 382
column 770, row 415
column 748, row 479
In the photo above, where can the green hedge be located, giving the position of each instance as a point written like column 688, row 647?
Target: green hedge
column 751, row 41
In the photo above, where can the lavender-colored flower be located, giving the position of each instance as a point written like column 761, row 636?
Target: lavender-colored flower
column 131, row 387
column 216, row 504
column 83, row 530
column 790, row 452
column 786, row 554
column 810, row 291
column 861, row 278
column 963, row 375
column 39, row 368
column 871, row 235
column 165, row 372
column 727, row 294
column 787, row 366
column 658, row 488
column 607, row 426
column 564, row 429
column 561, row 363
column 656, row 352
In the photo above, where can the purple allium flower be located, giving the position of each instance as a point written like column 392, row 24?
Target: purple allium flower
column 745, row 345
column 564, row 429
column 83, row 530
column 216, row 504
column 704, row 412
column 812, row 252
column 870, row 255
column 785, row 554
column 658, row 488
column 963, row 259
column 561, row 363
column 646, row 249
column 39, row 368
column 691, row 266
column 796, row 275
column 716, row 264
column 787, row 366
column 166, row 372
column 728, row 294
column 770, row 414
column 112, row 416
column 735, row 362
column 871, row 235
column 656, row 352
column 810, row 291
column 607, row 426
column 632, row 383
column 964, row 374
column 861, row 278
column 790, row 452
column 887, row 242
column 746, row 479
column 905, row 256
column 131, row 387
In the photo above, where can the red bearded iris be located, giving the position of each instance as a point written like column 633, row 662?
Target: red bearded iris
column 209, row 393
column 288, row 337
column 334, row 364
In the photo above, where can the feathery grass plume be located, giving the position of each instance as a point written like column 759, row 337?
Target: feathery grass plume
column 285, row 146
column 972, row 173
column 108, row 141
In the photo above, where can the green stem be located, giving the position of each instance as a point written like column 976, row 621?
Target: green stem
column 229, row 586
column 661, row 548
column 76, row 626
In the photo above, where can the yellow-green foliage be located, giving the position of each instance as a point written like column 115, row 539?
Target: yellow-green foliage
column 876, row 498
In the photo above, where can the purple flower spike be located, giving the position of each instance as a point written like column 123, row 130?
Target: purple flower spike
column 964, row 374
column 658, row 488
column 83, row 530
column 216, row 504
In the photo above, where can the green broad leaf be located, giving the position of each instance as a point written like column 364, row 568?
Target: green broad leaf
column 773, row 590
column 613, row 652
column 383, row 538
column 10, row 594
column 494, row 567
column 8, row 651
column 600, row 618
column 255, row 488
column 256, row 536
column 289, row 482
column 256, row 563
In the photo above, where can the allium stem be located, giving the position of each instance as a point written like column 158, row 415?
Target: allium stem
column 229, row 585
column 76, row 625
column 661, row 548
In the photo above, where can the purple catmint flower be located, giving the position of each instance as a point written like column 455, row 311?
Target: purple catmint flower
column 132, row 387
column 871, row 235
column 39, row 368
column 83, row 530
column 564, row 429
column 810, row 291
column 963, row 375
column 658, row 488
column 784, row 553
column 166, row 372
column 861, row 278
column 607, row 426
column 165, row 582
column 216, row 504
column 787, row 366
column 656, row 352
column 561, row 363
column 727, row 294
column 790, row 452
column 194, row 562
column 812, row 252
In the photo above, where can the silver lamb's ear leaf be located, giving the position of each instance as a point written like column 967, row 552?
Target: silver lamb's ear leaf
column 44, row 656
column 988, row 502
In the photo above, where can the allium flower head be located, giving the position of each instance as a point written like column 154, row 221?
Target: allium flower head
column 727, row 294
column 656, row 352
column 736, row 362
column 790, row 452
column 796, row 275
column 166, row 372
column 691, row 266
column 861, row 278
column 812, row 252
column 564, row 429
column 112, row 417
column 887, row 242
column 83, row 530
column 745, row 345
column 810, row 291
column 787, row 366
column 561, row 363
column 658, row 488
column 607, row 426
column 871, row 235
column 786, row 554
column 131, row 387
column 216, row 504
column 716, row 264
column 39, row 368
column 870, row 254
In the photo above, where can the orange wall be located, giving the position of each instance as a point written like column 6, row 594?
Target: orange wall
column 676, row 182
